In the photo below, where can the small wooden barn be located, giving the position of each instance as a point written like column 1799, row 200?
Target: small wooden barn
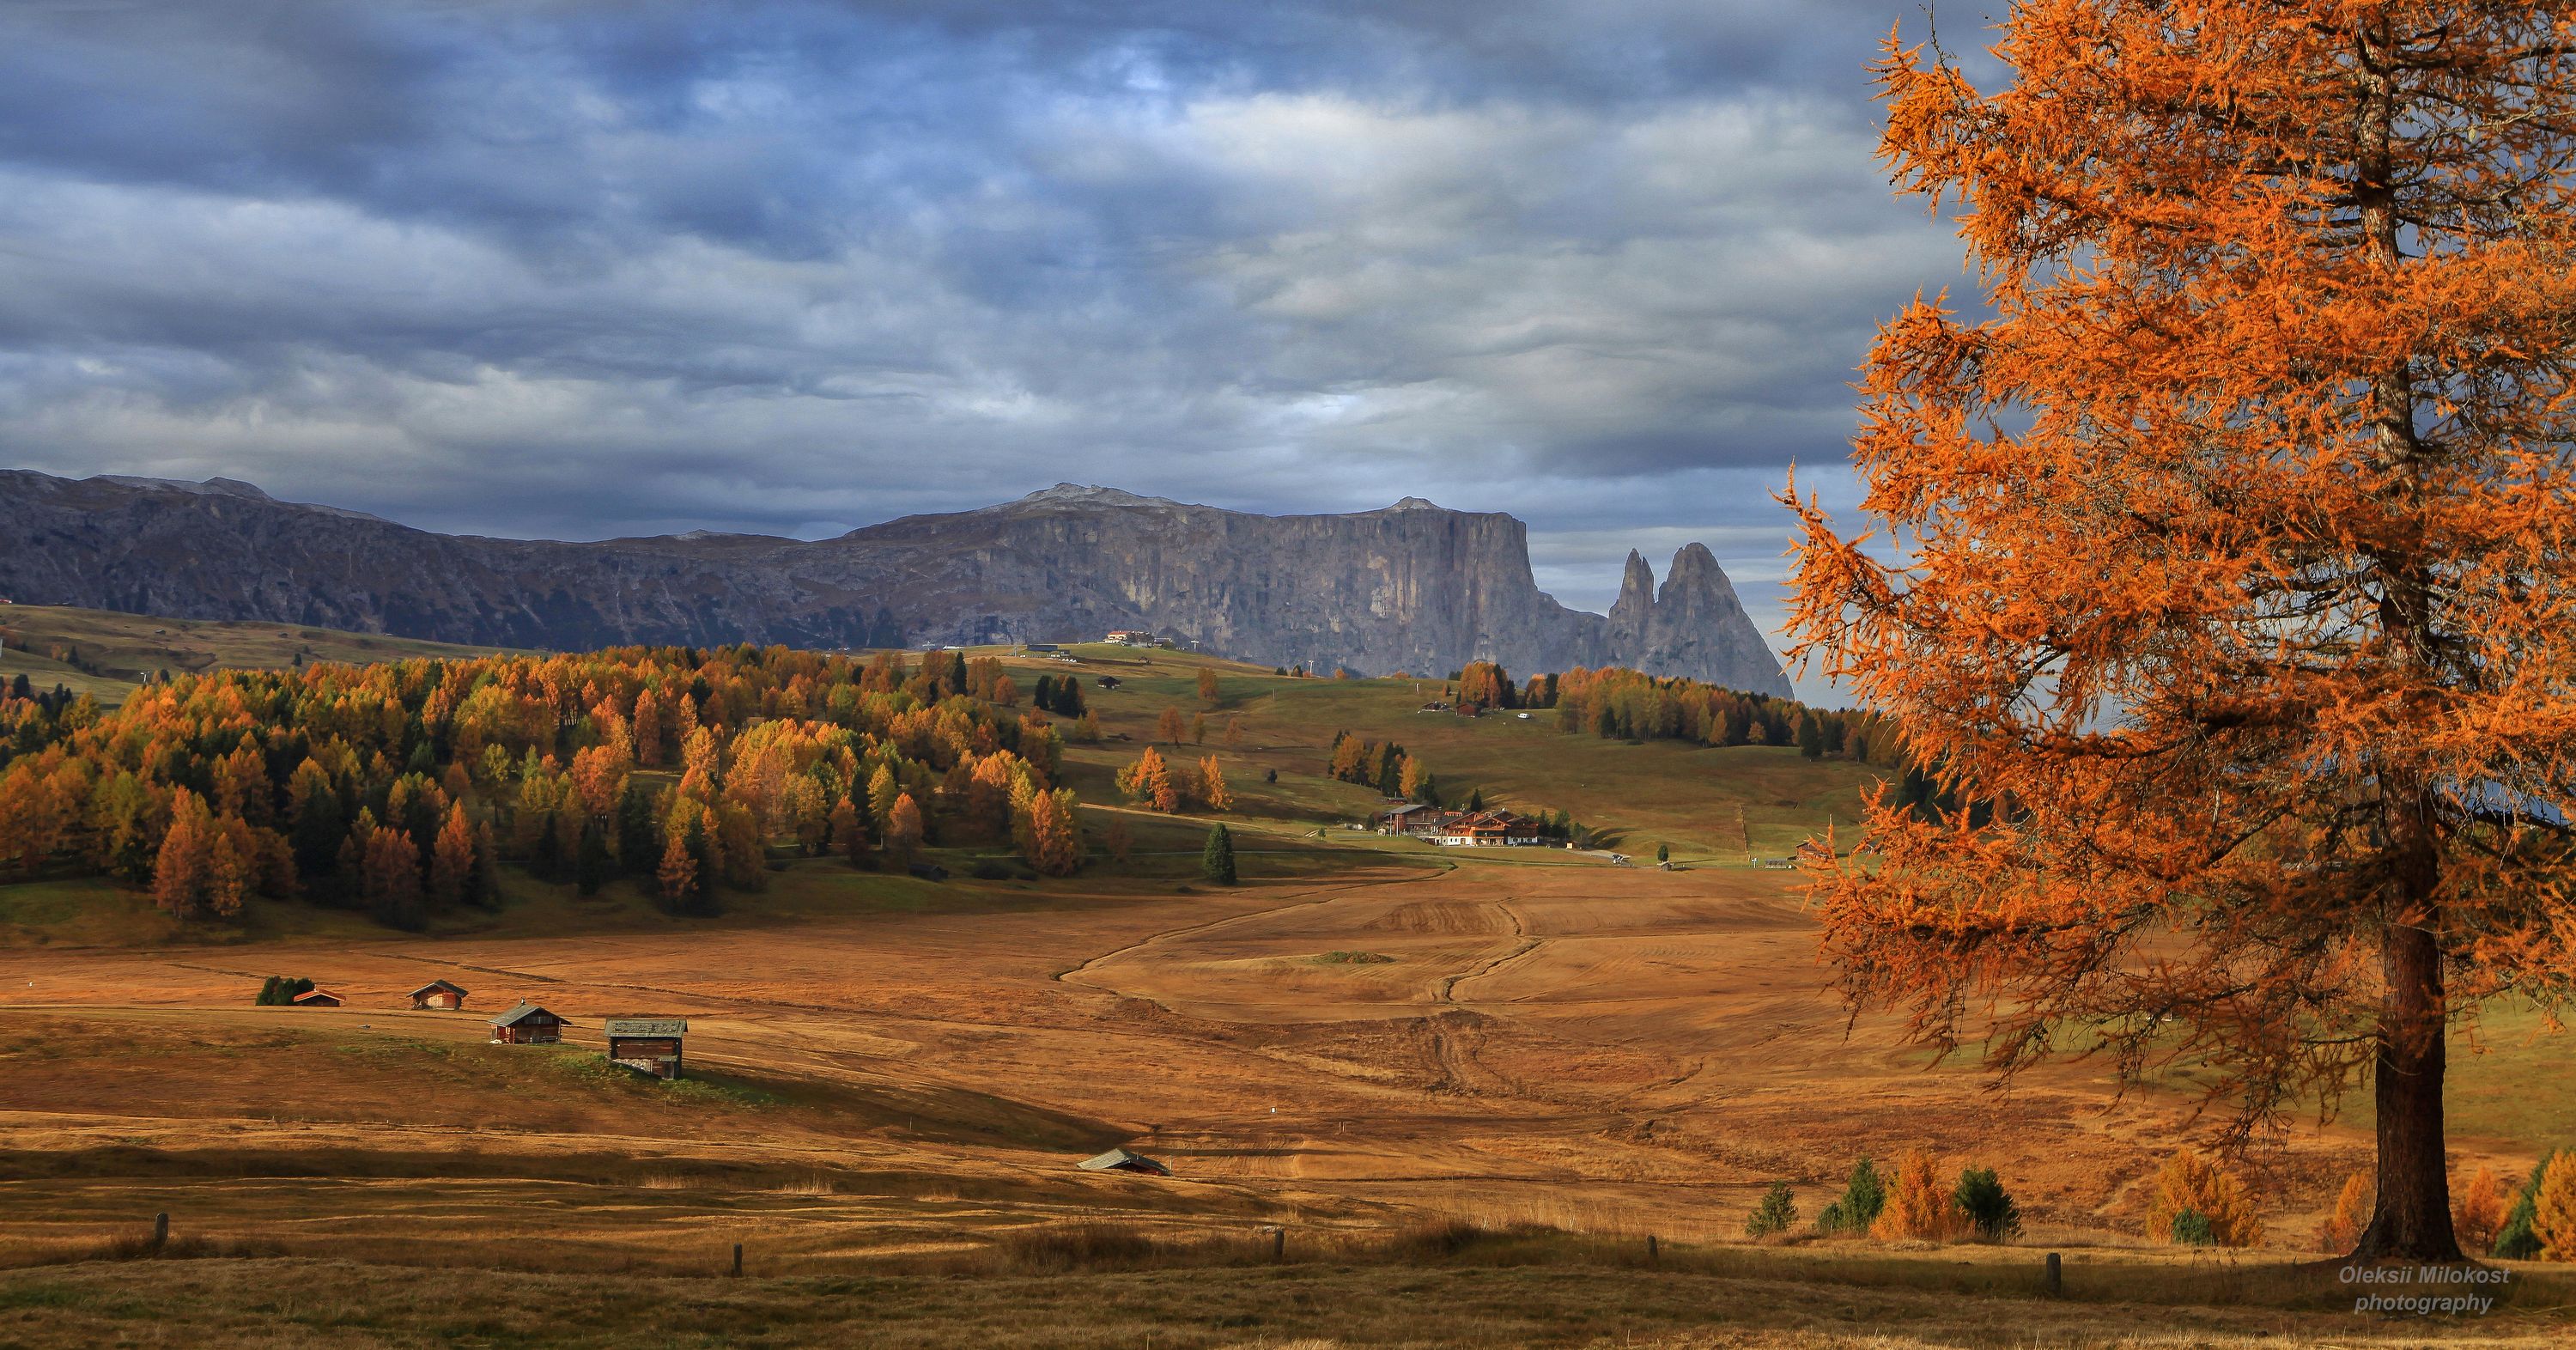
column 646, row 1044
column 439, row 996
column 527, row 1024
column 1120, row 1160
column 316, row 998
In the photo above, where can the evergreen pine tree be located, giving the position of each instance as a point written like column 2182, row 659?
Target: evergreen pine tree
column 319, row 824
column 2517, row 1240
column 1862, row 1198
column 639, row 843
column 593, row 865
column 485, row 889
column 1777, row 1213
column 1989, row 1209
column 1216, row 861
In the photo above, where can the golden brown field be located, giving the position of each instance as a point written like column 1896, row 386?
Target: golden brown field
column 1411, row 1097
column 887, row 1107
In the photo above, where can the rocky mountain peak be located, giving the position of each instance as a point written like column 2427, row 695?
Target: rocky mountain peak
column 1635, row 607
column 1082, row 494
column 1696, row 562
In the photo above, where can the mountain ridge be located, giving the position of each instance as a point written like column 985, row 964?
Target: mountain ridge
column 1412, row 586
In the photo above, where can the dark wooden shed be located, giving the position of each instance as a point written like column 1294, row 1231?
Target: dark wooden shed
column 646, row 1044
column 439, row 996
column 527, row 1024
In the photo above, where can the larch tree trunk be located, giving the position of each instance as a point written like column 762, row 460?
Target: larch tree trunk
column 2413, row 1217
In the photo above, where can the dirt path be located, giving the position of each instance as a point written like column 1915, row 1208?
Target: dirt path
column 1523, row 945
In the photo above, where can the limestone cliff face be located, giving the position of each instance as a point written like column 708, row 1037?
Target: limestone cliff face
column 1412, row 587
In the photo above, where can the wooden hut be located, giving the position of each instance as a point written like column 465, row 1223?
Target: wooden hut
column 439, row 996
column 646, row 1044
column 527, row 1024
column 316, row 998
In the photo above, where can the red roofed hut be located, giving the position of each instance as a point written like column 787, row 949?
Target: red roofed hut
column 527, row 1024
column 439, row 996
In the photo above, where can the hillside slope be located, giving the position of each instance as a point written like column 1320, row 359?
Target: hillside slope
column 106, row 654
column 1412, row 587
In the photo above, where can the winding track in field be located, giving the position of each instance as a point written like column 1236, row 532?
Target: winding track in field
column 1522, row 946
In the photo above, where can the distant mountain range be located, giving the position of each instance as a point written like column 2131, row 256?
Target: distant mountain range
column 1414, row 587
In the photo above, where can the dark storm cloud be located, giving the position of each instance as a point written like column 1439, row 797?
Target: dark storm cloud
column 588, row 269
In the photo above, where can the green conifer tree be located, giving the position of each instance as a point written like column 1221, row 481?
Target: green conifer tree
column 1777, row 1213
column 1216, row 861
column 2517, row 1241
column 1989, row 1208
column 594, row 864
column 1862, row 1198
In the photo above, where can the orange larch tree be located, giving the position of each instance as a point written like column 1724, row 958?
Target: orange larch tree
column 1055, row 842
column 2225, row 558
column 1212, row 788
column 903, row 831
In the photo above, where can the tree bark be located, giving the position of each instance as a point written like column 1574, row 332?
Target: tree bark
column 2413, row 1218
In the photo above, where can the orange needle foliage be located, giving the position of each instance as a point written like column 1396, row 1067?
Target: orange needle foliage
column 2233, row 572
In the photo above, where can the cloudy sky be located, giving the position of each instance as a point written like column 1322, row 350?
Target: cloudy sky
column 586, row 269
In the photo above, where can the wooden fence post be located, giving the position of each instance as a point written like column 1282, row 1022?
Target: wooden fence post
column 2054, row 1283
column 737, row 1260
column 160, row 1230
column 1654, row 1251
column 1279, row 1244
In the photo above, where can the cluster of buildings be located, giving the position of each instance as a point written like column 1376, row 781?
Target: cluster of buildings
column 1461, row 828
column 647, row 1045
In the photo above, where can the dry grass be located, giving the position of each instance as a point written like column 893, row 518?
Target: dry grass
column 123, row 649
column 1467, row 1143
column 1089, row 1290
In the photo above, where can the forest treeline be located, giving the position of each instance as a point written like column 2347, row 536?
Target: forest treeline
column 397, row 788
column 1632, row 705
column 1621, row 704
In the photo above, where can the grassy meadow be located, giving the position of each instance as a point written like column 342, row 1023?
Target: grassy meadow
column 1410, row 1096
column 108, row 654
